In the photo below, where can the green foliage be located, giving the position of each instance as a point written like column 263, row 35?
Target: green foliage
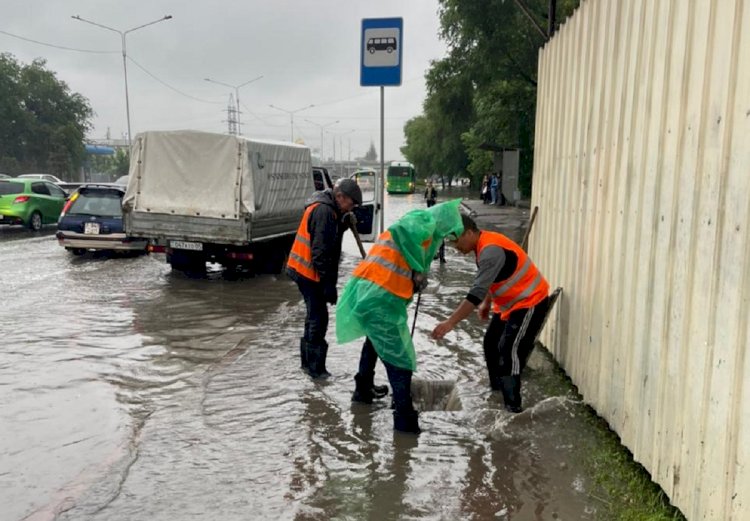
column 484, row 91
column 42, row 123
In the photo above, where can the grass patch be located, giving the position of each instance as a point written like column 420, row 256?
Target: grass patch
column 624, row 487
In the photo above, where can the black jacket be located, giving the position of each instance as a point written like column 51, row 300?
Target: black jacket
column 326, row 232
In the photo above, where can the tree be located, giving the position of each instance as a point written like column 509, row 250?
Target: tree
column 484, row 91
column 371, row 154
column 42, row 123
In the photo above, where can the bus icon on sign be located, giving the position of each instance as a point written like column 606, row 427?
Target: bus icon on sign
column 381, row 44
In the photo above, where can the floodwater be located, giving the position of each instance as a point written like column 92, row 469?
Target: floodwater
column 128, row 392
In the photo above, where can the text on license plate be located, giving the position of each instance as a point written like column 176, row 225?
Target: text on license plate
column 185, row 245
column 91, row 228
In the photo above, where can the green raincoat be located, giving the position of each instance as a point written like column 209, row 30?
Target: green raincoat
column 366, row 309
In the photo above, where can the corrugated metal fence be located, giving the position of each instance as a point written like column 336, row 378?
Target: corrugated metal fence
column 642, row 178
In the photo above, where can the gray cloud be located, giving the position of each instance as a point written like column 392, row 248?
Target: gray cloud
column 307, row 52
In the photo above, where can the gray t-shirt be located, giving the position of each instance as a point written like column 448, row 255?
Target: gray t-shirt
column 491, row 263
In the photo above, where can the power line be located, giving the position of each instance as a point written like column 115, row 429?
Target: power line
column 173, row 88
column 57, row 46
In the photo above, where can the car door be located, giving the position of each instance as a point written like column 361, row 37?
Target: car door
column 41, row 200
column 57, row 201
column 367, row 213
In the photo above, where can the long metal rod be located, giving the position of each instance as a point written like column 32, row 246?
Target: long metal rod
column 382, row 158
column 416, row 312
column 526, row 11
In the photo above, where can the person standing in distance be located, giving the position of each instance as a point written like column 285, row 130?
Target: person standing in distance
column 430, row 195
column 510, row 285
column 314, row 265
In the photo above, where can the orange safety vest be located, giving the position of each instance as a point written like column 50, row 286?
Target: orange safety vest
column 525, row 288
column 386, row 267
column 300, row 258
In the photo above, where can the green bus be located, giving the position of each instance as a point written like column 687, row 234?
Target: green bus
column 401, row 178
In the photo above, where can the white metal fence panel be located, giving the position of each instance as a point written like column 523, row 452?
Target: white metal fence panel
column 642, row 177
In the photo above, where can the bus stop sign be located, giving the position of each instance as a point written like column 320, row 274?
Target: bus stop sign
column 381, row 52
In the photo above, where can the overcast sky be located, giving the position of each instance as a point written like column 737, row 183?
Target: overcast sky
column 306, row 50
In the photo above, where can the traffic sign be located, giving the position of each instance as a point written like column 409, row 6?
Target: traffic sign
column 381, row 51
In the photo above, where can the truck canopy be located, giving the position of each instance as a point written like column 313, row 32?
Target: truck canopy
column 214, row 175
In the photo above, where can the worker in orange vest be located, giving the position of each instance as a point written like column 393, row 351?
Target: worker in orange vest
column 314, row 265
column 509, row 285
column 375, row 299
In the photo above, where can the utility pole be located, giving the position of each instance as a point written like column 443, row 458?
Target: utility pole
column 236, row 98
column 232, row 116
column 123, row 34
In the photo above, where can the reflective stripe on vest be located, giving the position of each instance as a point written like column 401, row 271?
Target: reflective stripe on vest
column 526, row 286
column 300, row 258
column 386, row 267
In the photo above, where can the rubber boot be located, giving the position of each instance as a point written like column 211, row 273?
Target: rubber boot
column 316, row 360
column 406, row 421
column 511, row 388
column 365, row 391
column 303, row 354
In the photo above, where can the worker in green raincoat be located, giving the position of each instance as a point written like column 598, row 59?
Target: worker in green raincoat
column 375, row 299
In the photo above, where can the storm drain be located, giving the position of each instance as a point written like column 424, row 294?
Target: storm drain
column 435, row 395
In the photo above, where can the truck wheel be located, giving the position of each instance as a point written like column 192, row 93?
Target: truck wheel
column 76, row 251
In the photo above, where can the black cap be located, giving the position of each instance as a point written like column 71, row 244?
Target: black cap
column 351, row 188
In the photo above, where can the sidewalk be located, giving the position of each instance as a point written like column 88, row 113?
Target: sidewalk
column 508, row 220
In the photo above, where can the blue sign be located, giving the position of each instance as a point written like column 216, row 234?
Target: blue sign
column 381, row 51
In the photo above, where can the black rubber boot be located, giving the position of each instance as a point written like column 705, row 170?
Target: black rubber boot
column 406, row 421
column 316, row 360
column 303, row 354
column 511, row 388
column 365, row 391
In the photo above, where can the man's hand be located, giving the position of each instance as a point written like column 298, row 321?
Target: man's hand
column 483, row 311
column 330, row 294
column 419, row 280
column 441, row 329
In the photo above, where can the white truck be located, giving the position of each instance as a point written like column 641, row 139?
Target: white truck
column 201, row 197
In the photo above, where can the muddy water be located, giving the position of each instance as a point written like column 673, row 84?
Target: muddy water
column 129, row 392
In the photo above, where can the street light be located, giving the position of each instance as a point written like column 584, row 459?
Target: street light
column 291, row 116
column 236, row 97
column 341, row 146
column 124, row 55
column 321, row 133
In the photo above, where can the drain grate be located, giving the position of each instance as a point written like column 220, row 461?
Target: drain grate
column 435, row 395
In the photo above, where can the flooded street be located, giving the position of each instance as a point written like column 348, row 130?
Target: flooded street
column 129, row 392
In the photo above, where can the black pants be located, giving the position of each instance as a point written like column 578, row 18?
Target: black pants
column 316, row 318
column 400, row 379
column 508, row 343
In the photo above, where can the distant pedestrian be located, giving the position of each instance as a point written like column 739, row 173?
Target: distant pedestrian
column 493, row 189
column 512, row 287
column 314, row 265
column 484, row 192
column 430, row 195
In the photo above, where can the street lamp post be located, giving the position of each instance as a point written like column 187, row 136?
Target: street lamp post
column 236, row 97
column 321, row 133
column 291, row 116
column 123, row 34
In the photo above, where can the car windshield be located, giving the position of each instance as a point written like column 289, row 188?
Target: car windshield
column 11, row 188
column 102, row 203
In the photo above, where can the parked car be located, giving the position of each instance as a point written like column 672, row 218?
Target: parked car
column 5, row 176
column 70, row 187
column 43, row 177
column 92, row 220
column 30, row 202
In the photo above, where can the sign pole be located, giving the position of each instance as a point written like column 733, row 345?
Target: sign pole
column 382, row 159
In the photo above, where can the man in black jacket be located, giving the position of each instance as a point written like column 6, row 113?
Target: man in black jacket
column 314, row 266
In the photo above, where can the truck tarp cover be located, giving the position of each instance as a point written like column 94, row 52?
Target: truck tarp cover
column 215, row 175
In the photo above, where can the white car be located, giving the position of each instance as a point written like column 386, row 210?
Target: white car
column 44, row 177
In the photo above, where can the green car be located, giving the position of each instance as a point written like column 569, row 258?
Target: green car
column 30, row 202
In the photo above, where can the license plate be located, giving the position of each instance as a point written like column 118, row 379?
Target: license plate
column 91, row 228
column 185, row 245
